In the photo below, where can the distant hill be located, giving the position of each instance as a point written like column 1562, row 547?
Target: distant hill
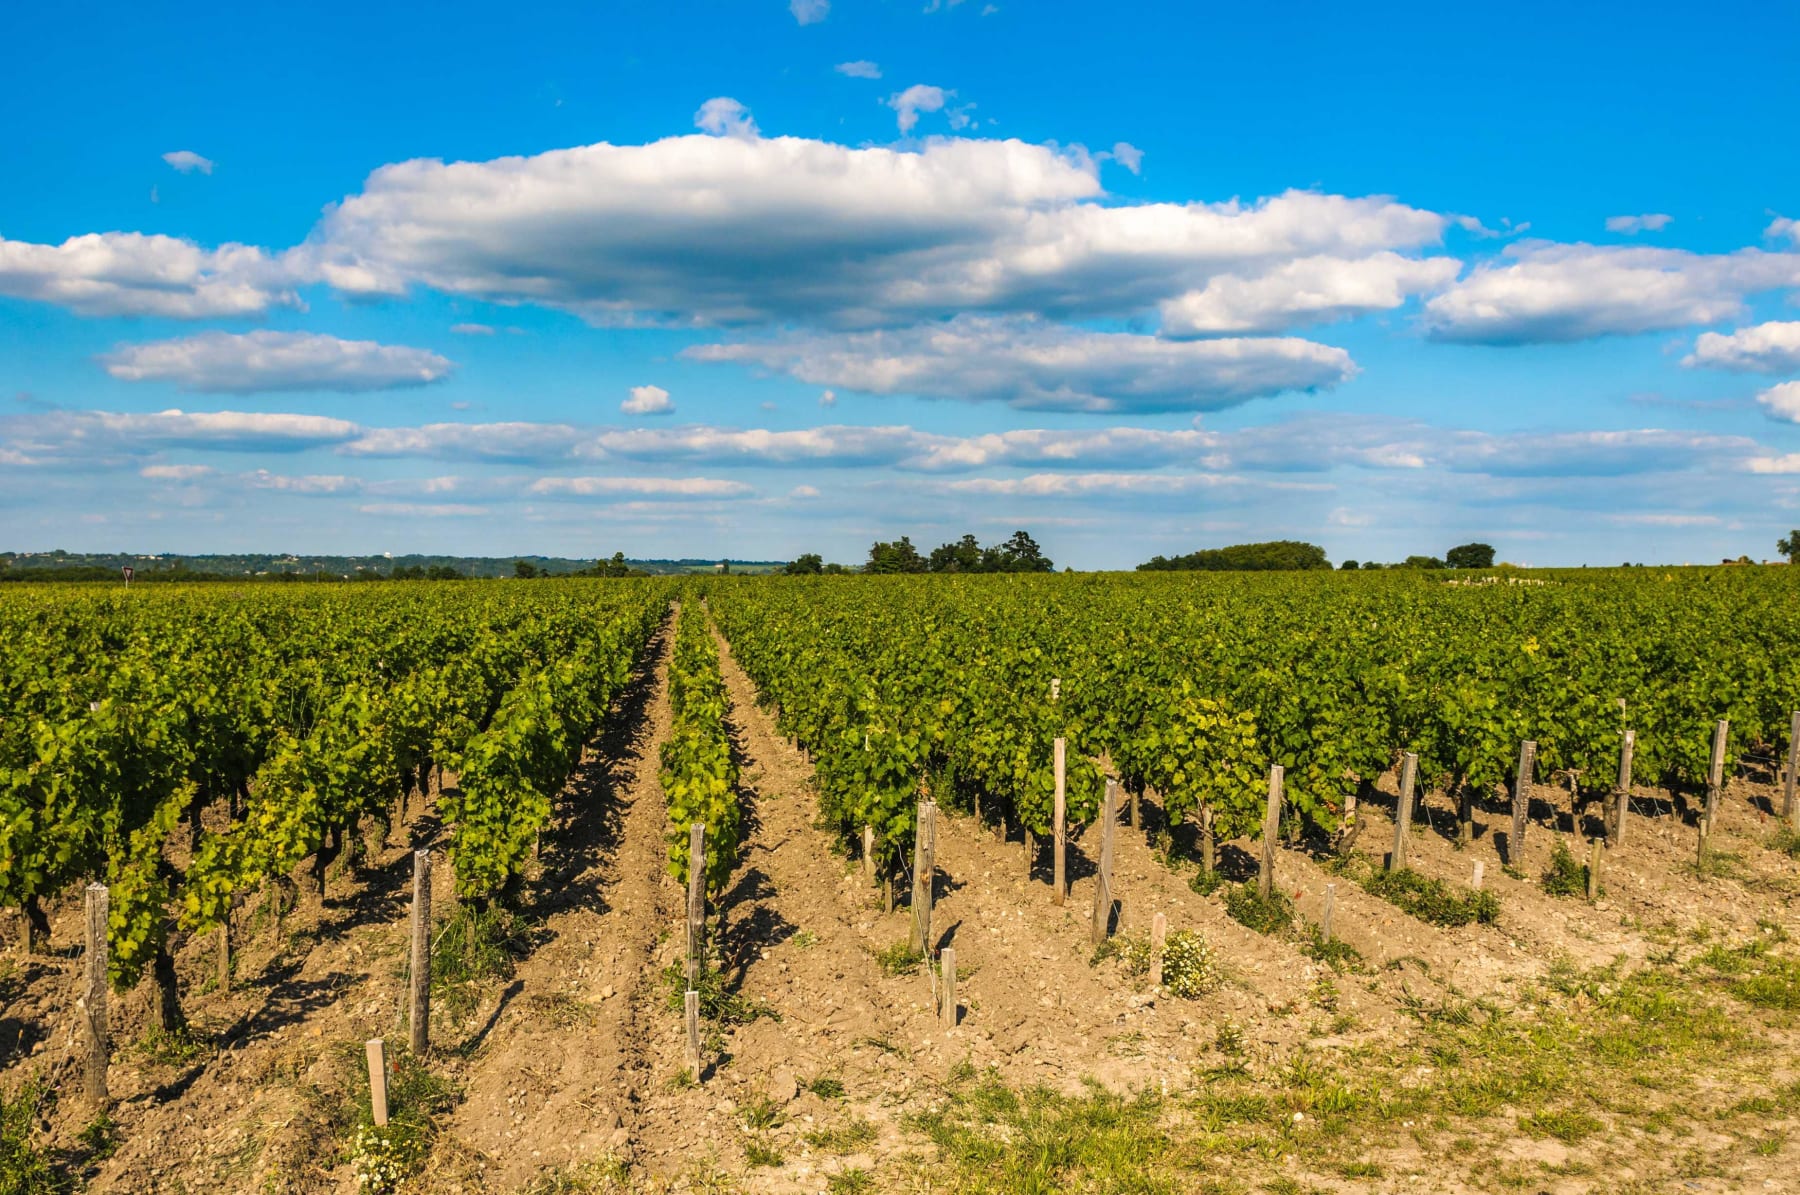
column 108, row 564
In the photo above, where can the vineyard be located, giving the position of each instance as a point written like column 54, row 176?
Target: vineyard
column 1408, row 885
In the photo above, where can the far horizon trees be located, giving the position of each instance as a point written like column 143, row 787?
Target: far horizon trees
column 1281, row 555
column 1019, row 554
column 1790, row 547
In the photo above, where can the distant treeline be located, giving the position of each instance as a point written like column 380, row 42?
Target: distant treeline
column 1281, row 555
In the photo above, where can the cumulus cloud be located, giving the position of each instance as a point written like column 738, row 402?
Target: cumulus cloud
column 647, row 400
column 1782, row 401
column 1128, row 156
column 187, row 161
column 723, row 116
column 262, row 362
column 471, row 329
column 1783, row 227
column 1632, row 225
column 920, row 97
column 862, row 68
column 1542, row 293
column 809, row 12
column 130, row 273
column 94, row 437
column 723, row 230
column 1305, row 290
column 499, row 442
column 1036, row 365
column 176, row 473
column 1765, row 348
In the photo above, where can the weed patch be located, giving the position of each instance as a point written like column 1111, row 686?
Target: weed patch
column 1248, row 907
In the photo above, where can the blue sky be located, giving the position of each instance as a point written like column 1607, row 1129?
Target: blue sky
column 764, row 278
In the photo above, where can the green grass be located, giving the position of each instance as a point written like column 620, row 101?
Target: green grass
column 173, row 1048
column 1567, row 876
column 899, row 959
column 1567, row 1126
column 1248, row 907
column 474, row 951
column 417, row 1099
column 1430, row 899
column 1337, row 954
column 23, row 1168
column 719, row 1005
column 826, row 1087
column 853, row 1181
column 1755, row 974
column 852, row 1134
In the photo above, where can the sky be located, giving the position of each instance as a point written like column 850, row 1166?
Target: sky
column 759, row 278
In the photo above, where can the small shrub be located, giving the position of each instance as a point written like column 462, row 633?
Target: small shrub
column 1566, row 877
column 899, row 959
column 474, row 949
column 1430, row 899
column 759, row 1153
column 1189, row 967
column 1337, row 954
column 850, row 1135
column 382, row 1157
column 1247, row 907
column 826, row 1087
column 1207, row 882
column 23, row 1170
column 718, row 1003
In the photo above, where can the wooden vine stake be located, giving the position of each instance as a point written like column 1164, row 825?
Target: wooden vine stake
column 1159, row 934
column 1476, row 876
column 924, row 872
column 1622, row 801
column 1265, row 876
column 378, row 1101
column 1409, row 774
column 93, row 998
column 868, row 860
column 1059, row 825
column 1515, row 842
column 1103, row 897
column 225, row 952
column 1788, row 811
column 419, row 973
column 1593, row 877
column 691, row 1007
column 1715, row 782
column 696, row 909
column 947, row 1005
column 1325, row 913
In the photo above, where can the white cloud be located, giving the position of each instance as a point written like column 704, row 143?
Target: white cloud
column 1036, row 365
column 1782, row 401
column 648, row 400
column 862, row 68
column 723, row 116
column 920, row 97
column 722, row 230
column 1662, row 519
column 637, row 487
column 317, row 483
column 94, row 437
column 1765, row 348
column 1128, row 156
column 1632, row 225
column 516, row 442
column 1783, row 226
column 187, row 161
column 129, row 273
column 423, row 510
column 261, row 362
column 828, row 398
column 471, row 329
column 1790, row 463
column 1305, row 290
column 1541, row 293
column 803, row 492
column 809, row 12
column 176, row 473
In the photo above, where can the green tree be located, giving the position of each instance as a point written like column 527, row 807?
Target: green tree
column 963, row 556
column 808, row 564
column 1349, row 566
column 1421, row 562
column 897, row 557
column 525, row 570
column 1470, row 556
column 1277, row 555
column 1790, row 547
column 1021, row 554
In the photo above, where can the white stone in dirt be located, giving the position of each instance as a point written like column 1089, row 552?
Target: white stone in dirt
column 782, row 1087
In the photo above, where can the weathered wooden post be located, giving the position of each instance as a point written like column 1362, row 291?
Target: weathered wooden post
column 1159, row 934
column 1409, row 771
column 691, row 1006
column 1788, row 788
column 93, row 997
column 1137, row 801
column 924, row 869
column 225, row 951
column 1103, row 898
column 1622, row 802
column 1059, row 825
column 868, row 859
column 1325, row 914
column 419, row 974
column 1476, row 877
column 378, row 1101
column 1715, row 778
column 696, row 903
column 1593, row 877
column 947, row 1009
column 1265, row 878
column 1515, row 842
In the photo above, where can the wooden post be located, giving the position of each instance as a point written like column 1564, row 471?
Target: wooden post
column 1103, row 898
column 1515, row 842
column 696, row 909
column 947, row 1012
column 1622, row 809
column 378, row 1103
column 924, row 872
column 868, row 860
column 1059, row 825
column 1030, row 851
column 1137, row 815
column 225, row 952
column 1265, row 877
column 93, row 999
column 692, row 1009
column 419, row 974
column 1787, row 792
column 1594, row 856
column 1159, row 934
column 1325, row 914
column 1409, row 772
column 1715, row 778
